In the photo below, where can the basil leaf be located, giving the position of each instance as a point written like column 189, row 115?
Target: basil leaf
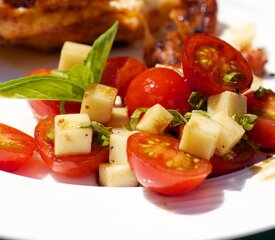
column 80, row 75
column 100, row 51
column 135, row 117
column 46, row 87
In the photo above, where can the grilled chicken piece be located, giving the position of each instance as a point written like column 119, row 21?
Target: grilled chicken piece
column 46, row 24
column 193, row 16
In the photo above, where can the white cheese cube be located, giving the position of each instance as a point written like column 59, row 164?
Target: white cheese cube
column 98, row 102
column 118, row 146
column 119, row 117
column 231, row 133
column 155, row 120
column 228, row 102
column 73, row 53
column 69, row 139
column 113, row 175
column 200, row 136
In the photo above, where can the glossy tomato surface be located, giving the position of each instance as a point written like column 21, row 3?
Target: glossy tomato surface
column 158, row 85
column 47, row 108
column 120, row 71
column 161, row 167
column 71, row 166
column 263, row 105
column 16, row 148
column 212, row 66
column 238, row 158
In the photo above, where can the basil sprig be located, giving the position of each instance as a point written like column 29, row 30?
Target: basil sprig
column 64, row 85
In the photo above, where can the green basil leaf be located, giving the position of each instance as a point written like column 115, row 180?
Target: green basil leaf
column 46, row 87
column 100, row 51
column 135, row 117
column 81, row 76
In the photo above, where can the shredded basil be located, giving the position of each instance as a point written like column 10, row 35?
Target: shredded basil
column 247, row 121
column 135, row 117
column 232, row 77
column 197, row 100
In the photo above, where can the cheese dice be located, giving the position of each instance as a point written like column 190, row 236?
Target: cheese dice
column 119, row 117
column 200, row 136
column 73, row 53
column 118, row 145
column 69, row 138
column 115, row 175
column 231, row 133
column 229, row 102
column 98, row 102
column 155, row 120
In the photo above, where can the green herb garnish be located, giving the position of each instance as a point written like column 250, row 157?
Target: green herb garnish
column 197, row 100
column 247, row 121
column 135, row 117
column 232, row 77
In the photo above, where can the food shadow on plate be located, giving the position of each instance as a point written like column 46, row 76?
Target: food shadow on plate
column 207, row 197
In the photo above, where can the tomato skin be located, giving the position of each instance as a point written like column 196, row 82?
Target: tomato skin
column 153, row 172
column 263, row 131
column 43, row 109
column 70, row 166
column 240, row 157
column 16, row 148
column 158, row 85
column 120, row 71
column 207, row 59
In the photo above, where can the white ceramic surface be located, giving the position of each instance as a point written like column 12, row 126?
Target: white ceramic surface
column 37, row 205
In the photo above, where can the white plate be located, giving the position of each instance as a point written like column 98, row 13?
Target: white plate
column 231, row 206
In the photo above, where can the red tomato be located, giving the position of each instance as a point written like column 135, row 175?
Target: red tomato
column 161, row 167
column 213, row 66
column 263, row 106
column 120, row 71
column 158, row 85
column 47, row 108
column 238, row 158
column 16, row 148
column 71, row 166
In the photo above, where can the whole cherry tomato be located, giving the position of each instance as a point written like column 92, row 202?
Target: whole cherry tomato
column 158, row 85
column 16, row 148
column 161, row 167
column 262, row 103
column 120, row 71
column 46, row 108
column 213, row 66
column 71, row 166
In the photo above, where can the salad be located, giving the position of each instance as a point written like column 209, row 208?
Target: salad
column 166, row 128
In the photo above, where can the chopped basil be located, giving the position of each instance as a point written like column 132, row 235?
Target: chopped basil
column 247, row 121
column 232, row 77
column 135, row 117
column 178, row 118
column 197, row 100
column 260, row 92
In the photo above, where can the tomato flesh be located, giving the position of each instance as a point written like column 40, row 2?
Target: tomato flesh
column 71, row 166
column 120, row 71
column 158, row 85
column 161, row 167
column 263, row 132
column 16, row 148
column 212, row 66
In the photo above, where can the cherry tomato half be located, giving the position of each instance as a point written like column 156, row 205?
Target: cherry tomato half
column 47, row 108
column 120, row 71
column 161, row 167
column 213, row 66
column 263, row 105
column 158, row 85
column 71, row 166
column 16, row 148
column 238, row 158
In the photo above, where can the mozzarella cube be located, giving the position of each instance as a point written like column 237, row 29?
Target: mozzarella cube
column 229, row 102
column 98, row 102
column 118, row 147
column 73, row 53
column 200, row 136
column 231, row 133
column 155, row 120
column 119, row 117
column 113, row 175
column 69, row 138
